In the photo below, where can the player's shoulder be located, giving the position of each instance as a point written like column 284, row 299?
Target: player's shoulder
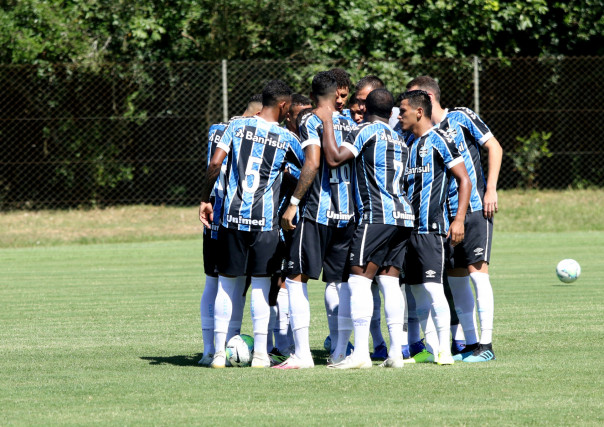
column 218, row 126
column 462, row 113
column 445, row 135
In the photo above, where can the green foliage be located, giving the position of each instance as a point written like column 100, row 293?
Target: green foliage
column 33, row 31
column 527, row 155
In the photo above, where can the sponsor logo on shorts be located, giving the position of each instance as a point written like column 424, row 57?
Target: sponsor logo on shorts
column 351, row 256
column 246, row 221
column 478, row 251
column 339, row 215
column 430, row 274
column 290, row 264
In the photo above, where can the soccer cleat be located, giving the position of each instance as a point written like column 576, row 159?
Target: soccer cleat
column 405, row 351
column 277, row 357
column 423, row 357
column 416, row 347
column 261, row 360
column 333, row 359
column 206, row 360
column 295, row 362
column 351, row 363
column 349, row 348
column 458, row 346
column 380, row 352
column 327, row 344
column 468, row 351
column 483, row 353
column 445, row 359
column 393, row 363
column 219, row 360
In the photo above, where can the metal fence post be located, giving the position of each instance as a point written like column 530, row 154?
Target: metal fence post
column 225, row 97
column 476, row 87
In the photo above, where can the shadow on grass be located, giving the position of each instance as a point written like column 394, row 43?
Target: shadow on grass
column 190, row 360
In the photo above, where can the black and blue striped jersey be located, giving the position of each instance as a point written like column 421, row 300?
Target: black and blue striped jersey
column 472, row 133
column 257, row 153
column 330, row 200
column 214, row 135
column 380, row 165
column 427, row 179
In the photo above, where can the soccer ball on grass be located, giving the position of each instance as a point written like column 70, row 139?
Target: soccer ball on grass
column 568, row 270
column 239, row 350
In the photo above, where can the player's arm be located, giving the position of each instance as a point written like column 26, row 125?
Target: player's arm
column 312, row 161
column 464, row 187
column 334, row 155
column 495, row 154
column 206, row 211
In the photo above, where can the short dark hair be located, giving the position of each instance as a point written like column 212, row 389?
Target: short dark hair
column 274, row 92
column 323, row 83
column 427, row 84
column 257, row 97
column 373, row 81
column 379, row 102
column 301, row 115
column 419, row 98
column 342, row 77
column 353, row 100
column 299, row 99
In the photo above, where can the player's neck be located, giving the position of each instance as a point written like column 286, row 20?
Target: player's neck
column 376, row 118
column 421, row 127
column 438, row 114
column 326, row 103
column 270, row 114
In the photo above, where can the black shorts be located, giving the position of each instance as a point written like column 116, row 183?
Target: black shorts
column 476, row 245
column 425, row 259
column 247, row 252
column 210, row 254
column 380, row 244
column 317, row 247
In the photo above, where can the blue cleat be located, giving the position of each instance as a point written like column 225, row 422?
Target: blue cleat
column 406, row 354
column 467, row 352
column 483, row 353
column 380, row 352
column 327, row 344
column 416, row 347
column 458, row 346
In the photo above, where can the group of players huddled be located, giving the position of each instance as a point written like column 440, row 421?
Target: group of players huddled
column 385, row 196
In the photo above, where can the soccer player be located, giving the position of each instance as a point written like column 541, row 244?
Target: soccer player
column 386, row 221
column 364, row 87
column 299, row 103
column 354, row 109
column 433, row 157
column 210, row 237
column 471, row 258
column 322, row 237
column 343, row 79
column 257, row 149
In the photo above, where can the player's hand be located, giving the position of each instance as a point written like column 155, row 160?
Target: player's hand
column 206, row 214
column 490, row 207
column 324, row 114
column 456, row 232
column 288, row 218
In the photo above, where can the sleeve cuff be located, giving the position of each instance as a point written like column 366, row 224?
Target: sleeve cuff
column 455, row 162
column 350, row 148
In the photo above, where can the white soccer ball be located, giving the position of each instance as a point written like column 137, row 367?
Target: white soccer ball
column 239, row 350
column 568, row 270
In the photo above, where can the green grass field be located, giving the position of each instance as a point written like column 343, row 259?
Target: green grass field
column 109, row 333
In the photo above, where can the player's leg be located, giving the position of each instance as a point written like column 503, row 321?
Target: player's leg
column 208, row 298
column 238, row 308
column 394, row 311
column 332, row 302
column 380, row 350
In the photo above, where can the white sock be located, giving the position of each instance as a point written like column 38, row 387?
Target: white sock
column 376, row 323
column 461, row 289
column 260, row 311
column 282, row 325
column 413, row 324
column 394, row 310
column 344, row 319
column 206, row 308
column 485, row 303
column 405, row 324
column 332, row 301
column 431, row 303
column 361, row 309
column 223, row 309
column 238, row 308
column 299, row 309
column 272, row 321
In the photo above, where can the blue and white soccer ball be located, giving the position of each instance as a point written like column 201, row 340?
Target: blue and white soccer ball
column 239, row 350
column 568, row 270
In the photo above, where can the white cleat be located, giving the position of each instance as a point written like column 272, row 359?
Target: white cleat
column 295, row 362
column 206, row 360
column 445, row 359
column 398, row 363
column 351, row 363
column 219, row 360
column 261, row 360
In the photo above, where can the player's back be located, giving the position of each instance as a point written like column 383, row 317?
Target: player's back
column 380, row 164
column 330, row 200
column 257, row 151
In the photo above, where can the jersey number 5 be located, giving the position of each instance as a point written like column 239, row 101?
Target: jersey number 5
column 254, row 172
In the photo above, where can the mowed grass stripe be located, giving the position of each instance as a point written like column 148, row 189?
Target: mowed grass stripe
column 109, row 334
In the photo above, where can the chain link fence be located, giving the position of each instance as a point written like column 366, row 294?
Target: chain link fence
column 75, row 135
